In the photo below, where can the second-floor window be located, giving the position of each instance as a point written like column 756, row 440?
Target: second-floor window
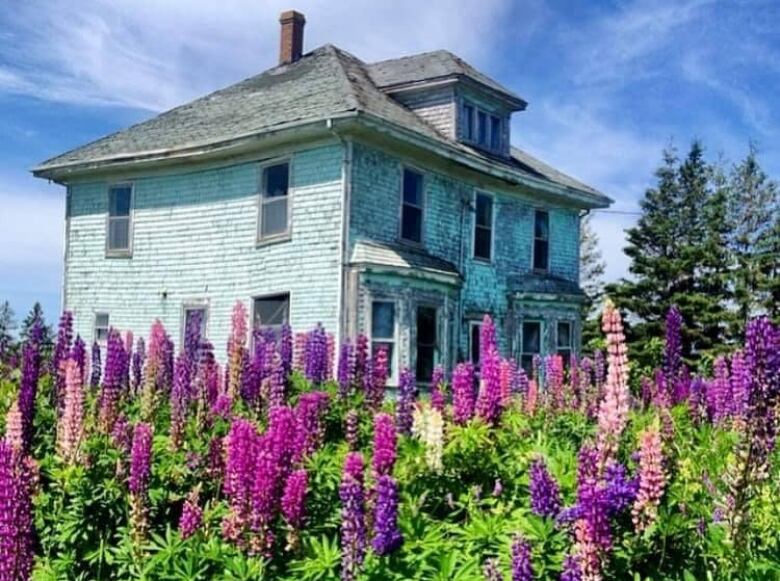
column 468, row 122
column 541, row 240
column 495, row 133
column 483, row 227
column 120, row 206
column 274, row 202
column 412, row 206
column 482, row 128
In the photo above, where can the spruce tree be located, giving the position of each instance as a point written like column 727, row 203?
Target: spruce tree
column 36, row 316
column 7, row 326
column 592, row 268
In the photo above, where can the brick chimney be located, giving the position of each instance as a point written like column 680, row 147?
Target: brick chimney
column 291, row 45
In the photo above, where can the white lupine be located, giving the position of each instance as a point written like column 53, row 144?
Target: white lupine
column 428, row 427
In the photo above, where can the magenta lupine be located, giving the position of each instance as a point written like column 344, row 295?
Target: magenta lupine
column 489, row 400
column 28, row 389
column 276, row 382
column 522, row 568
column 353, row 524
column 18, row 478
column 70, row 428
column 651, row 479
column 61, row 352
column 138, row 480
column 407, row 394
column 387, row 536
column 379, row 371
column 191, row 517
column 463, row 392
column 95, row 368
column 240, row 450
column 545, row 494
column 112, row 382
column 294, row 504
column 283, row 421
column 351, row 429
column 507, row 380
column 361, row 360
column 487, row 337
column 385, row 442
column 265, row 495
column 673, row 347
column 346, row 369
column 180, row 398
column 438, row 387
column 236, row 349
column 309, row 426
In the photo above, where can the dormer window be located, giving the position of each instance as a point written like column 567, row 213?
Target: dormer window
column 468, row 122
column 495, row 133
column 482, row 128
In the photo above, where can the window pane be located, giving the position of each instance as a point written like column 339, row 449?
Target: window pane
column 475, row 335
column 411, row 223
column 383, row 320
column 484, row 210
column 564, row 334
column 495, row 132
column 540, row 254
column 119, row 233
column 272, row 311
column 101, row 320
column 541, row 225
column 532, row 340
column 412, row 188
column 482, row 243
column 468, row 122
column 191, row 314
column 276, row 180
column 119, row 201
column 274, row 217
column 482, row 128
column 388, row 347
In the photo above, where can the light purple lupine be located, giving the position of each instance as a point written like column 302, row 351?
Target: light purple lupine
column 95, row 368
column 387, row 535
column 191, row 517
column 346, row 370
column 351, row 429
column 309, row 427
column 522, row 568
column 463, row 392
column 545, row 494
column 521, row 382
column 18, row 476
column 571, row 569
column 379, row 372
column 438, row 385
column 407, row 394
column 740, row 384
column 489, row 400
column 538, row 368
column 599, row 369
column 277, row 382
column 385, row 442
column 315, row 355
column 28, row 389
column 112, row 381
column 294, row 498
column 61, row 352
column 180, row 398
column 192, row 336
column 353, row 525
column 79, row 355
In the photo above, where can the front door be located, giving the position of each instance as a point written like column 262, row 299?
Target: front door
column 426, row 343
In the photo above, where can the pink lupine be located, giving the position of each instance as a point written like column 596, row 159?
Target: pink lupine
column 236, row 349
column 651, row 479
column 531, row 397
column 554, row 379
column 299, row 351
column 155, row 370
column 70, row 429
column 489, row 399
column 613, row 411
column 487, row 337
column 14, row 427
column 507, row 379
column 463, row 392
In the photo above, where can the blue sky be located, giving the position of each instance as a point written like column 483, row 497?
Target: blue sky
column 609, row 85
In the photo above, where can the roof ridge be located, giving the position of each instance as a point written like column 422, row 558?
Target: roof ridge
column 351, row 93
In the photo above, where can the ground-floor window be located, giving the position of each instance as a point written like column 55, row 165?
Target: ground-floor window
column 271, row 312
column 426, row 343
column 195, row 314
column 101, row 328
column 383, row 330
column 475, row 332
column 530, row 344
column 564, row 341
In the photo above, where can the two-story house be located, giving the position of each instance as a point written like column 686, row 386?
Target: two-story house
column 380, row 198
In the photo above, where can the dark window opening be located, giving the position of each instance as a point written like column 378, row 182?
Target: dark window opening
column 564, row 341
column 468, row 122
column 482, row 128
column 495, row 132
column 412, row 206
column 426, row 343
column 475, row 332
column 541, row 240
column 531, row 345
column 483, row 227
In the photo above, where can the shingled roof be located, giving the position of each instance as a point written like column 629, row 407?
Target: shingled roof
column 325, row 83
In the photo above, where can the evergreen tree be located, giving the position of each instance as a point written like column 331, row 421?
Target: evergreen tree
column 36, row 316
column 7, row 326
column 592, row 268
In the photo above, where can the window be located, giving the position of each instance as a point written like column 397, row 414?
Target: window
column 383, row 330
column 426, row 343
column 531, row 344
column 271, row 312
column 495, row 133
column 541, row 240
column 274, row 210
column 468, row 122
column 483, row 227
column 195, row 314
column 564, row 341
column 475, row 331
column 412, row 206
column 482, row 128
column 120, row 202
column 101, row 328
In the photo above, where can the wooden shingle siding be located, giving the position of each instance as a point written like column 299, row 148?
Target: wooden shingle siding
column 436, row 106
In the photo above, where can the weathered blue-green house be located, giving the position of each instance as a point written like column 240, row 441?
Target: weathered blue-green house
column 382, row 198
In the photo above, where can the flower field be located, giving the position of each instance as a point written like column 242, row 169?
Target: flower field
column 147, row 460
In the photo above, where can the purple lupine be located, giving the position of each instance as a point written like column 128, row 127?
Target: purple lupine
column 491, row 570
column 330, row 356
column 463, row 392
column 673, row 346
column 740, row 384
column 620, row 489
column 592, row 529
column 353, row 525
column 265, row 495
column 286, row 349
column 762, row 357
column 191, row 517
column 571, row 569
column 379, row 371
column 95, row 368
column 385, row 442
column 346, row 369
column 521, row 382
column 309, row 427
column 489, row 400
column 180, row 398
column 192, row 335
column 545, row 494
column 18, row 476
column 361, row 359
column 315, row 355
column 240, row 451
column 387, row 535
column 351, row 429
column 61, row 352
column 127, row 359
column 522, row 568
column 79, row 355
column 438, row 385
column 294, row 498
column 28, row 389
column 407, row 394
column 682, row 387
column 138, row 480
column 112, row 381
column 277, row 382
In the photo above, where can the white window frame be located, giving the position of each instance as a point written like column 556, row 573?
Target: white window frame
column 276, row 328
column 371, row 338
column 421, row 207
column 546, row 268
column 95, row 336
column 470, row 132
column 260, row 239
column 478, row 193
column 120, row 252
column 523, row 352
column 478, row 324
column 194, row 305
